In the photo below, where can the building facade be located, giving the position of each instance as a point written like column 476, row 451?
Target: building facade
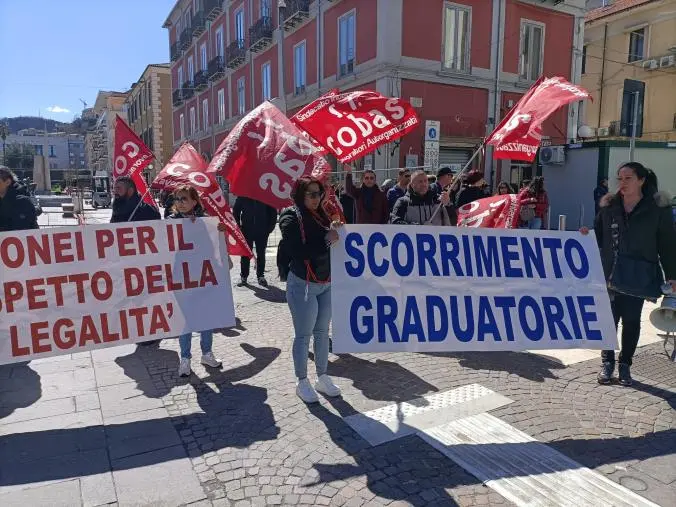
column 149, row 111
column 99, row 138
column 463, row 63
column 632, row 39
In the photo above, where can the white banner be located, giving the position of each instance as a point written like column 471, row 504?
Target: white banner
column 73, row 289
column 434, row 289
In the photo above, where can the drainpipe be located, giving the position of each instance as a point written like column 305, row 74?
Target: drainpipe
column 496, row 105
column 319, row 47
column 603, row 68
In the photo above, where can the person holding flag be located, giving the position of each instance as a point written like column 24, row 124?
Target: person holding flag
column 128, row 204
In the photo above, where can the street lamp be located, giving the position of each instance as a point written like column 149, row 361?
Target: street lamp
column 3, row 134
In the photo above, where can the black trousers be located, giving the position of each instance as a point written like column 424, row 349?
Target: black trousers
column 258, row 243
column 628, row 309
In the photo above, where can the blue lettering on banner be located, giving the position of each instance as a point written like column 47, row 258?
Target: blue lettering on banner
column 509, row 256
column 533, row 257
column 554, row 315
column 427, row 248
column 352, row 241
column 535, row 333
column 387, row 318
column 568, row 248
column 588, row 316
column 487, row 323
column 435, row 306
column 405, row 268
column 506, row 303
column 366, row 335
column 449, row 248
column 377, row 269
column 412, row 321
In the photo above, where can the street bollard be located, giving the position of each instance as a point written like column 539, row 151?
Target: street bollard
column 562, row 222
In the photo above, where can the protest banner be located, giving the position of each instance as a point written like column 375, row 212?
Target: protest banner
column 69, row 290
column 351, row 125
column 187, row 167
column 130, row 157
column 435, row 289
column 497, row 212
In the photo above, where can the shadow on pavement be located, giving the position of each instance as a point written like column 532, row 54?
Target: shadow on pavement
column 231, row 332
column 401, row 385
column 270, row 294
column 20, row 387
column 668, row 396
column 524, row 365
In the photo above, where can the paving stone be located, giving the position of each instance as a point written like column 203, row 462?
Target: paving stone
column 61, row 494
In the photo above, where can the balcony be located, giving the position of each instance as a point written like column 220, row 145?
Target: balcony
column 212, row 9
column 235, row 54
column 216, row 68
column 260, row 34
column 199, row 23
column 175, row 52
column 296, row 12
column 186, row 39
column 187, row 90
column 201, row 80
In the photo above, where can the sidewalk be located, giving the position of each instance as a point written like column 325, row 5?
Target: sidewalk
column 118, row 427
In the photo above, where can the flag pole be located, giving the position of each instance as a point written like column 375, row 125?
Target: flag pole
column 137, row 206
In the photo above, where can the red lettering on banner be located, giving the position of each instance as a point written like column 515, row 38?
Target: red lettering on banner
column 62, row 247
column 108, row 336
column 171, row 243
column 14, row 339
column 208, row 274
column 138, row 314
column 182, row 243
column 107, row 292
column 154, row 279
column 18, row 259
column 57, row 282
column 125, row 237
column 64, row 340
column 158, row 321
column 146, row 240
column 38, row 247
column 88, row 332
column 104, row 239
column 187, row 282
column 38, row 335
column 133, row 282
column 13, row 293
column 34, row 290
column 79, row 281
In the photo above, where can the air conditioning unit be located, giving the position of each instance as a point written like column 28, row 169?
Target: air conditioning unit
column 552, row 155
column 667, row 61
column 603, row 132
column 650, row 64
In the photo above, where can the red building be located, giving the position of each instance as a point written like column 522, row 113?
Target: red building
column 228, row 56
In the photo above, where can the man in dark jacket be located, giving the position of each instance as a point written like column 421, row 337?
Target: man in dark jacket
column 399, row 190
column 370, row 201
column 444, row 179
column 420, row 206
column 17, row 212
column 473, row 189
column 257, row 221
column 128, row 205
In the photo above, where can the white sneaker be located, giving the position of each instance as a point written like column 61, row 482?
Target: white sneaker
column 306, row 392
column 184, row 367
column 208, row 359
column 326, row 386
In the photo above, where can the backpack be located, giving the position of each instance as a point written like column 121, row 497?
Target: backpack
column 283, row 254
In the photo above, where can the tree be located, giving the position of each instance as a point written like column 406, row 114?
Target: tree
column 19, row 156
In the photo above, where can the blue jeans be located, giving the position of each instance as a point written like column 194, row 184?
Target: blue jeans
column 184, row 341
column 534, row 224
column 311, row 317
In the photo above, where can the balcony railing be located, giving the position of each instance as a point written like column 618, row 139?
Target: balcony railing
column 260, row 34
column 199, row 23
column 235, row 54
column 296, row 12
column 216, row 68
column 175, row 52
column 212, row 9
column 201, row 80
column 187, row 90
column 186, row 39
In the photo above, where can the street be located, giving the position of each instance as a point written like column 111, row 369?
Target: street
column 119, row 427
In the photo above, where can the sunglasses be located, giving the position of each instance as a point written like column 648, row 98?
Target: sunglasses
column 407, row 175
column 369, row 178
column 314, row 195
column 182, row 199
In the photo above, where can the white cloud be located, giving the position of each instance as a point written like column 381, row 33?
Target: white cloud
column 58, row 109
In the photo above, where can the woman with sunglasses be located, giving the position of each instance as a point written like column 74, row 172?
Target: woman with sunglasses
column 308, row 234
column 187, row 205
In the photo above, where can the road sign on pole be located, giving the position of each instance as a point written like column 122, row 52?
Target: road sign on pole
column 432, row 134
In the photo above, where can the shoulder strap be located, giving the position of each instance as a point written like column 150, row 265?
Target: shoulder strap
column 300, row 223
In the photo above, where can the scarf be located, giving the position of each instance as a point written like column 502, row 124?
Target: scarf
column 368, row 194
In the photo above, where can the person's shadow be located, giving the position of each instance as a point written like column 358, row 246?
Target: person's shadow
column 20, row 387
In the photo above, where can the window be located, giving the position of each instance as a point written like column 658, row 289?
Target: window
column 193, row 124
column 221, row 106
column 191, row 69
column 637, row 45
column 38, row 149
column 219, row 42
column 532, row 49
column 205, row 114
column 266, row 10
column 142, row 96
column 148, row 94
column 181, row 125
column 203, row 55
column 299, row 67
column 239, row 27
column 266, row 79
column 186, row 19
column 346, row 44
column 241, row 96
column 456, row 38
column 180, row 76
column 584, row 59
column 51, row 151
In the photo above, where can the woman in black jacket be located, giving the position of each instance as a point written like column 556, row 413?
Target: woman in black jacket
column 307, row 234
column 17, row 212
column 637, row 241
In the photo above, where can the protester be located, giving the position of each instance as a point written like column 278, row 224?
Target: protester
column 128, row 205
column 17, row 211
column 167, row 200
column 473, row 188
column 399, row 190
column 637, row 241
column 431, row 179
column 370, row 202
column 503, row 188
column 348, row 205
column 309, row 234
column 187, row 205
column 420, row 207
column 599, row 192
column 257, row 221
column 444, row 180
column 387, row 185
column 534, row 204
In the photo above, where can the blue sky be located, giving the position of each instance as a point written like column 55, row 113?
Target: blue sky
column 57, row 52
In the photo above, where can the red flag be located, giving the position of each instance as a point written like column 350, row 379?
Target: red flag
column 264, row 154
column 130, row 157
column 187, row 167
column 518, row 135
column 498, row 212
column 353, row 124
column 310, row 110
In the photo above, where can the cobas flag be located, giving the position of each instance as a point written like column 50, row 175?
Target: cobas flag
column 187, row 167
column 310, row 110
column 351, row 125
column 498, row 212
column 518, row 135
column 264, row 155
column 131, row 156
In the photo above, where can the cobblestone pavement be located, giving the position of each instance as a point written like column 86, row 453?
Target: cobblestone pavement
column 251, row 441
